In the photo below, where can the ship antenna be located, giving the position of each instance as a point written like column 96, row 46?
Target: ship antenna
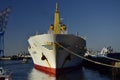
column 56, row 6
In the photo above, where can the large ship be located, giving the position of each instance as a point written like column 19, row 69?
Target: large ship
column 50, row 57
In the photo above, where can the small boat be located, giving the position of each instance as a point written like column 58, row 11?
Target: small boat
column 103, row 53
column 4, row 74
column 25, row 60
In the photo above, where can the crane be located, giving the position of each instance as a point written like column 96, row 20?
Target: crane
column 4, row 14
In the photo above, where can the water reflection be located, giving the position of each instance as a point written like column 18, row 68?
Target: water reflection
column 37, row 75
column 81, row 74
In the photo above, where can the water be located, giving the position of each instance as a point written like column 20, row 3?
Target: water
column 22, row 71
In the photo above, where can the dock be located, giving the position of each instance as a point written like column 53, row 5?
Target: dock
column 104, row 65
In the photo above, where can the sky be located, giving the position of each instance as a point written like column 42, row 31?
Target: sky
column 97, row 20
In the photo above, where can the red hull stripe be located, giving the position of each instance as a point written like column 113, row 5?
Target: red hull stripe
column 46, row 69
column 55, row 72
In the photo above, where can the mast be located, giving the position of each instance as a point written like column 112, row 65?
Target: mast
column 56, row 21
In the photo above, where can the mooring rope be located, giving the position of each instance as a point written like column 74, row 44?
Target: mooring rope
column 87, row 58
column 112, row 58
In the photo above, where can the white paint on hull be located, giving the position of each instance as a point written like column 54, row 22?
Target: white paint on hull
column 43, row 44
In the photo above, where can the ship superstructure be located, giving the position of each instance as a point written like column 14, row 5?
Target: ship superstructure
column 50, row 57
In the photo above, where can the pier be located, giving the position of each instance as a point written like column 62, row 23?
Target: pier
column 112, row 67
column 16, row 57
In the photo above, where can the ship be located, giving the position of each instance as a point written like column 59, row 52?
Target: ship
column 46, row 53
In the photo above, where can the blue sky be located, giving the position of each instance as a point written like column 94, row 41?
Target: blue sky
column 97, row 20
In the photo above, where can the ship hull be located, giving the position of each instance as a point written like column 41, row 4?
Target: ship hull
column 50, row 57
column 56, row 71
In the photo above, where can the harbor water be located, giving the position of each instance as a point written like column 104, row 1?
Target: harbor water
column 26, row 71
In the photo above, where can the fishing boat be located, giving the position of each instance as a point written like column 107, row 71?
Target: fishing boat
column 46, row 52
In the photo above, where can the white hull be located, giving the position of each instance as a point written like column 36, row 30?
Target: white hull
column 56, row 56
